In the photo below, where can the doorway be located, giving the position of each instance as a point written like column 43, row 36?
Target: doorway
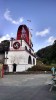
column 14, row 67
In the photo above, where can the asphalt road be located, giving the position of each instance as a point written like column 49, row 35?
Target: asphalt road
column 26, row 87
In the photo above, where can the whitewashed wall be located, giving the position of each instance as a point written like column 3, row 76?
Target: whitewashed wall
column 20, row 58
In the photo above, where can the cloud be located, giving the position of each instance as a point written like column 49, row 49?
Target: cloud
column 21, row 20
column 8, row 17
column 6, row 37
column 51, row 40
column 43, row 33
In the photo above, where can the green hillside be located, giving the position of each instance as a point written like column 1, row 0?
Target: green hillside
column 48, row 54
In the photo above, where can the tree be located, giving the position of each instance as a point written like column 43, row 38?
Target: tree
column 5, row 45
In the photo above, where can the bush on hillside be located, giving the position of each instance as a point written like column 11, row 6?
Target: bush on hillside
column 39, row 68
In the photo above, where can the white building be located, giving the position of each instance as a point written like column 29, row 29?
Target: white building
column 20, row 56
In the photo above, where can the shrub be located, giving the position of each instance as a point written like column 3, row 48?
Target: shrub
column 39, row 68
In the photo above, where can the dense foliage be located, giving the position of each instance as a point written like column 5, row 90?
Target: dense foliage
column 48, row 54
column 4, row 46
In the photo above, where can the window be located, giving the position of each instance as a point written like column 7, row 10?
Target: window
column 30, row 50
column 25, row 47
column 33, row 61
column 29, row 60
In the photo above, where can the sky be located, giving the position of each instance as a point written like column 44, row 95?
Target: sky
column 42, row 16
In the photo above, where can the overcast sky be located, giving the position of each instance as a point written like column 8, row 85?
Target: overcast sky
column 42, row 14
